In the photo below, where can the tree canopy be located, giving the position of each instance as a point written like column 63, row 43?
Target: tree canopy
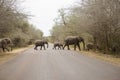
column 98, row 21
column 14, row 23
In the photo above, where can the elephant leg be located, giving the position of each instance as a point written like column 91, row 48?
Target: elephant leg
column 58, row 47
column 40, row 47
column 88, row 49
column 6, row 49
column 35, row 48
column 61, row 47
column 11, row 48
column 44, row 47
column 68, row 47
column 64, row 46
column 83, row 45
column 79, row 46
column 53, row 47
column 75, row 47
column 3, row 49
column 47, row 45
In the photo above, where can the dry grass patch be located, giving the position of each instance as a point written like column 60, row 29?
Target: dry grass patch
column 106, row 57
column 114, row 59
column 4, row 57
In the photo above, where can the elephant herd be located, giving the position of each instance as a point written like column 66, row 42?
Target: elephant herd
column 6, row 44
column 70, row 40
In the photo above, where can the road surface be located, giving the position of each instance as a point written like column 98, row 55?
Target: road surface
column 57, row 65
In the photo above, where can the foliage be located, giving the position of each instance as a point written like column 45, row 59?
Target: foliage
column 97, row 21
column 14, row 24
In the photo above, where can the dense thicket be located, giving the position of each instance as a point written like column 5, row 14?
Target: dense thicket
column 14, row 24
column 98, row 21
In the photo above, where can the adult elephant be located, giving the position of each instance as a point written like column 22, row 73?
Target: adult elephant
column 40, row 43
column 5, row 44
column 74, row 40
column 58, row 44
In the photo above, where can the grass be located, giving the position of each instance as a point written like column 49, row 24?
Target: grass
column 112, row 58
column 4, row 57
column 106, row 57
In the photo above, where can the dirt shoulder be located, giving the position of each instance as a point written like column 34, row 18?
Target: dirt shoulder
column 106, row 57
column 4, row 57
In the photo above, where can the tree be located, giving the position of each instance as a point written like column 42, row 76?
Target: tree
column 98, row 21
column 14, row 24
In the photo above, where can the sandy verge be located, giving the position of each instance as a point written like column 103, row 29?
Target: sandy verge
column 4, row 57
column 106, row 57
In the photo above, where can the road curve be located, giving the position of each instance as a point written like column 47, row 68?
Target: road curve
column 57, row 65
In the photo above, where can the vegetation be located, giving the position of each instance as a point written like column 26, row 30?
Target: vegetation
column 97, row 21
column 14, row 24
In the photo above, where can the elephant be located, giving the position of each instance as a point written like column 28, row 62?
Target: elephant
column 58, row 44
column 89, row 46
column 92, row 46
column 40, row 43
column 74, row 40
column 6, row 43
column 46, row 42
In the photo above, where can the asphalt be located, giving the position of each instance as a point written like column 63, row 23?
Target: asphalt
column 52, row 64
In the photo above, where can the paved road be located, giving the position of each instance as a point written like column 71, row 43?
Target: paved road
column 57, row 65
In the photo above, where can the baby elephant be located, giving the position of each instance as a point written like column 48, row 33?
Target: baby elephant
column 58, row 44
column 91, row 46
